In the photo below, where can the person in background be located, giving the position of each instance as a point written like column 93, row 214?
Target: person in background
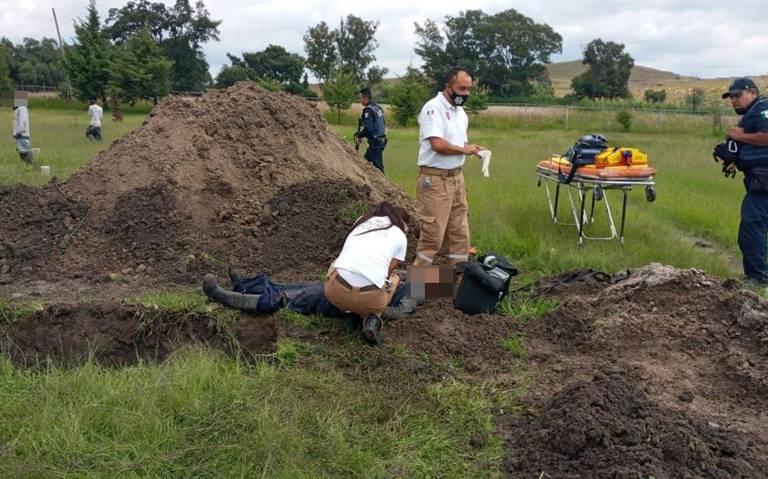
column 751, row 135
column 95, row 113
column 21, row 133
column 371, row 125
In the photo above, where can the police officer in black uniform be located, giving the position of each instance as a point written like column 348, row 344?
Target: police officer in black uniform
column 751, row 136
column 371, row 126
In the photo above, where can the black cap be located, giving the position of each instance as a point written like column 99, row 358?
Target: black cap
column 739, row 85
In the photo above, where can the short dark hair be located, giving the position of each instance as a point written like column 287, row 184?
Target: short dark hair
column 451, row 76
column 366, row 92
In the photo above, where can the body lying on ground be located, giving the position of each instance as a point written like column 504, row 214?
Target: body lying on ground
column 360, row 282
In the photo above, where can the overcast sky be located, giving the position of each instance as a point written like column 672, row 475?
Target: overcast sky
column 702, row 38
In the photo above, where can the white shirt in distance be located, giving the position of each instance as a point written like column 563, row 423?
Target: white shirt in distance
column 95, row 112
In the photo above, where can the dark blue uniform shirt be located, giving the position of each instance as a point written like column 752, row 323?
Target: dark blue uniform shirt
column 755, row 120
column 372, row 122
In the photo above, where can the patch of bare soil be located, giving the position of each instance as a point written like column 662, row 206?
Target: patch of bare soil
column 123, row 334
column 686, row 346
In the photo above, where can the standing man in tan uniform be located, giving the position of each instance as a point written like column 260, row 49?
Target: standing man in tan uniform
column 441, row 196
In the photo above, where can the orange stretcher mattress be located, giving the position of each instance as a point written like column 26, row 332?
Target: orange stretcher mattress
column 634, row 172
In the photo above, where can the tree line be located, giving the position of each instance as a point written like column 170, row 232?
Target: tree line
column 144, row 50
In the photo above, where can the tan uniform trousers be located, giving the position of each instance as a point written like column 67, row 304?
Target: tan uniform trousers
column 361, row 301
column 441, row 203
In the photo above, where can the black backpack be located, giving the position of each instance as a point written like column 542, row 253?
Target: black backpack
column 484, row 283
column 583, row 152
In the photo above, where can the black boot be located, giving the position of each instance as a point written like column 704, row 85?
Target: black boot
column 371, row 333
column 244, row 302
column 233, row 275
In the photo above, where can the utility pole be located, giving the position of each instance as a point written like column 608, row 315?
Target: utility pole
column 61, row 48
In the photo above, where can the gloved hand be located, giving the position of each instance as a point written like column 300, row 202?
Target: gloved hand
column 17, row 136
column 485, row 155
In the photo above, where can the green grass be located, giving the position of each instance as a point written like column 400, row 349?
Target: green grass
column 516, row 346
column 201, row 415
column 527, row 307
column 509, row 214
column 60, row 135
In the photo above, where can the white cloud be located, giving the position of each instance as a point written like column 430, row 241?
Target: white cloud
column 705, row 39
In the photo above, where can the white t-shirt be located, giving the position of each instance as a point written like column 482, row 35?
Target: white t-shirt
column 96, row 113
column 366, row 257
column 21, row 121
column 438, row 118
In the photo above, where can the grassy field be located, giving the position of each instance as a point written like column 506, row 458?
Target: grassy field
column 337, row 408
column 60, row 135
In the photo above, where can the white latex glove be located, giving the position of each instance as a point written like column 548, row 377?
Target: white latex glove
column 485, row 155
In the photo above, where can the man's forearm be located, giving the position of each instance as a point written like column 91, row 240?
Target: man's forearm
column 444, row 148
column 756, row 139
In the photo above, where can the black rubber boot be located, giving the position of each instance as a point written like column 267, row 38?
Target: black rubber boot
column 244, row 302
column 233, row 274
column 371, row 333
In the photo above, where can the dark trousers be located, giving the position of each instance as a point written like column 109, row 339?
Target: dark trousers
column 752, row 235
column 375, row 154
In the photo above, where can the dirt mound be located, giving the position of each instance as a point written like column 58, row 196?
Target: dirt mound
column 241, row 176
column 124, row 334
column 609, row 428
column 694, row 344
column 445, row 335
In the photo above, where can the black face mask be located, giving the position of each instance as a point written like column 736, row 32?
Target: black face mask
column 457, row 99
column 739, row 110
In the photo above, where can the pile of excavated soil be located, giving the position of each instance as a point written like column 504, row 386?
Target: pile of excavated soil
column 242, row 176
column 609, row 428
column 686, row 360
column 124, row 334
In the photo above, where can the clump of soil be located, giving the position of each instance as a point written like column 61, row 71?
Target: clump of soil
column 609, row 428
column 695, row 345
column 241, row 176
column 124, row 334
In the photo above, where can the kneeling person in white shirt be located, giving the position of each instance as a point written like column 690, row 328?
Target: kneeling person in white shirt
column 361, row 279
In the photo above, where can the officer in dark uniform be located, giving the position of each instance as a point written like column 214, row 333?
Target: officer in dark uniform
column 371, row 126
column 752, row 137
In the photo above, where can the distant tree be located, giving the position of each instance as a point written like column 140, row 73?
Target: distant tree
column 180, row 30
column 276, row 63
column 122, row 23
column 229, row 75
column 608, row 71
column 34, row 62
column 655, row 96
column 320, row 46
column 340, row 91
column 139, row 70
column 375, row 75
column 624, row 118
column 507, row 50
column 695, row 99
column 348, row 48
column 87, row 60
column 5, row 71
column 478, row 100
column 408, row 95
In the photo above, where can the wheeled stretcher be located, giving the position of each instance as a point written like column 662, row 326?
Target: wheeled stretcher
column 591, row 183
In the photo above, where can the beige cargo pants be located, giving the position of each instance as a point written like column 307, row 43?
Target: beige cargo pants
column 441, row 203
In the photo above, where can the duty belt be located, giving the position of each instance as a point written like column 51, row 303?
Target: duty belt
column 428, row 170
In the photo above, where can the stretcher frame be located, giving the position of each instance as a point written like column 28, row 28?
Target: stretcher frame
column 584, row 186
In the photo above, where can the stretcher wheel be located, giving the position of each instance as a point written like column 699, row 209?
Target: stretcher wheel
column 598, row 193
column 650, row 194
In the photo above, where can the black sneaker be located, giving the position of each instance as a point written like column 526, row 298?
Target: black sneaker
column 371, row 333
